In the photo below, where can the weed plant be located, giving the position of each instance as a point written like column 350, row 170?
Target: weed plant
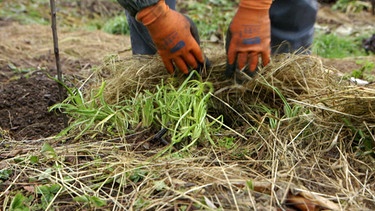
column 117, row 25
column 93, row 114
column 334, row 46
column 182, row 111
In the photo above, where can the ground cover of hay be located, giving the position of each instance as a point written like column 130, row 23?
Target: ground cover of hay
column 295, row 138
column 313, row 159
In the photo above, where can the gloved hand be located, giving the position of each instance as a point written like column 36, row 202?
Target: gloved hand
column 173, row 35
column 248, row 37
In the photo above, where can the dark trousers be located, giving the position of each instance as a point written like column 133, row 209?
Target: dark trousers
column 292, row 27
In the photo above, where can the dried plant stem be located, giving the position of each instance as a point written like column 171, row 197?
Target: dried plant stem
column 57, row 55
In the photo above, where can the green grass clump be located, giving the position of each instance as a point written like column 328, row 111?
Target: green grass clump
column 94, row 113
column 334, row 46
column 117, row 25
column 366, row 70
column 182, row 111
column 26, row 13
column 351, row 5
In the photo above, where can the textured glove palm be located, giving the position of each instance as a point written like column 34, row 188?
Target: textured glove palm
column 173, row 36
column 248, row 37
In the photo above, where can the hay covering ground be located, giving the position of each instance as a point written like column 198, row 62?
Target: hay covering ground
column 30, row 45
column 305, row 160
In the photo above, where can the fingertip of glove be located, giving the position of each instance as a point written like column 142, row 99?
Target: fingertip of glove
column 207, row 62
column 203, row 65
column 229, row 70
column 250, row 73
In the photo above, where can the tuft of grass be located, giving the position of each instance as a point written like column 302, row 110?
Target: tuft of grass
column 351, row 6
column 93, row 114
column 117, row 25
column 365, row 71
column 33, row 12
column 334, row 46
column 182, row 111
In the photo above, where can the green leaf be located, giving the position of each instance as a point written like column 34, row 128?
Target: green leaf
column 34, row 159
column 159, row 185
column 249, row 184
column 93, row 200
column 43, row 189
column 46, row 174
column 81, row 199
column 97, row 202
column 18, row 203
column 5, row 173
column 48, row 151
column 12, row 66
column 54, row 188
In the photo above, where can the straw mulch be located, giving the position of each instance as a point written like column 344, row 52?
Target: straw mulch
column 32, row 46
column 311, row 160
column 335, row 107
column 300, row 79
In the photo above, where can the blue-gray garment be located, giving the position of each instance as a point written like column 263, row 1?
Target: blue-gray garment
column 292, row 25
column 133, row 6
column 140, row 38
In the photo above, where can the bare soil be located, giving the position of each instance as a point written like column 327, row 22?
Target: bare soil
column 27, row 64
column 24, row 105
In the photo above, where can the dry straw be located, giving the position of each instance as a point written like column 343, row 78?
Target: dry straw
column 300, row 79
column 299, row 146
column 293, row 145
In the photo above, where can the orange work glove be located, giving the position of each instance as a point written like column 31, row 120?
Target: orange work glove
column 248, row 37
column 172, row 34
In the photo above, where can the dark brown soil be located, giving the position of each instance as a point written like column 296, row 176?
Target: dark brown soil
column 26, row 64
column 24, row 103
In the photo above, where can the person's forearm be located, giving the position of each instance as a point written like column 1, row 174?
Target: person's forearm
column 256, row 4
column 134, row 6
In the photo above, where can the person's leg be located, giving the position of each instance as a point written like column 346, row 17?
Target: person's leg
column 292, row 25
column 141, row 41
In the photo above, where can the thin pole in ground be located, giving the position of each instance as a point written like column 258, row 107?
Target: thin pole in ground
column 57, row 55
